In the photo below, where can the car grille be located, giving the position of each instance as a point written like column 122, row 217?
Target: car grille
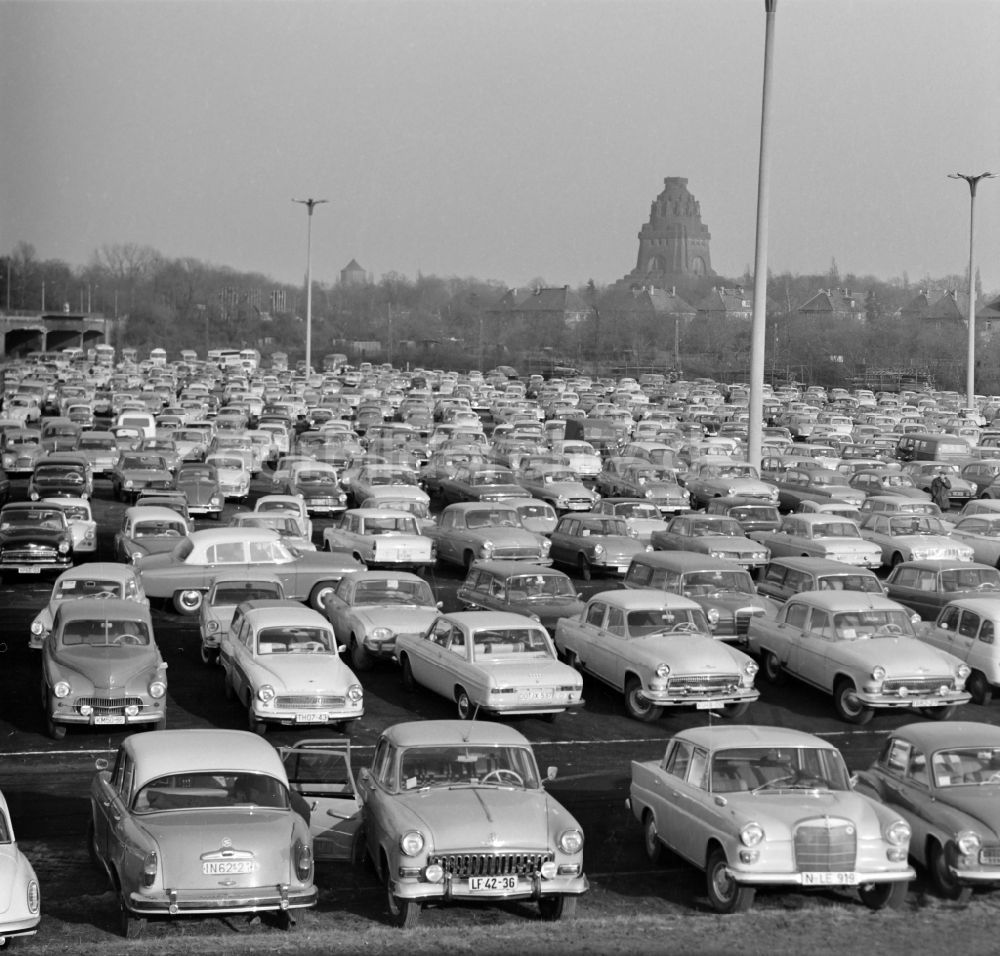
column 464, row 865
column 28, row 556
column 516, row 553
column 108, row 706
column 743, row 621
column 989, row 856
column 703, row 684
column 317, row 702
column 917, row 686
column 825, row 846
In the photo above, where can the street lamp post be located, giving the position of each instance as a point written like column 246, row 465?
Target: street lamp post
column 310, row 204
column 970, row 371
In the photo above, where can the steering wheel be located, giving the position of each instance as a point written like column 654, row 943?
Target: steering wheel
column 684, row 627
column 890, row 629
column 127, row 639
column 104, row 594
column 311, row 646
column 501, row 773
column 777, row 781
column 993, row 777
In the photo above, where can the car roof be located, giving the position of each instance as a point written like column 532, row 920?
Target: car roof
column 163, row 752
column 477, row 619
column 722, row 737
column 273, row 613
column 685, row 560
column 227, row 577
column 152, row 513
column 636, row 598
column 210, row 536
column 97, row 570
column 825, row 565
column 378, row 513
column 444, row 732
column 371, row 575
column 944, row 564
column 986, row 606
column 509, row 569
column 837, row 602
column 932, row 735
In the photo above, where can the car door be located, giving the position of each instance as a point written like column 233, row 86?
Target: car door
column 682, row 828
column 434, row 656
column 320, row 772
column 809, row 655
column 235, row 654
column 608, row 652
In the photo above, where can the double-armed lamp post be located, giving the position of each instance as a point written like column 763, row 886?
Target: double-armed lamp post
column 970, row 370
column 310, row 204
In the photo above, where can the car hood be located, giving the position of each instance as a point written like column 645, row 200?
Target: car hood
column 315, row 673
column 15, row 871
column 146, row 474
column 736, row 600
column 198, row 489
column 184, row 838
column 688, row 653
column 724, row 542
column 780, row 811
column 466, row 817
column 411, row 618
column 900, row 656
column 108, row 667
column 981, row 803
column 27, row 535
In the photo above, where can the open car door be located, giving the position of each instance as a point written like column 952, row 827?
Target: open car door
column 319, row 771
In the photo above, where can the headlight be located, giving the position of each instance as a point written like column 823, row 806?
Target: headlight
column 570, row 841
column 898, row 833
column 212, row 627
column 129, row 483
column 355, row 693
column 752, row 834
column 381, row 634
column 750, row 668
column 963, row 670
column 157, row 688
column 713, row 615
column 968, row 843
column 64, row 547
column 36, row 628
column 265, row 693
column 411, row 842
column 61, row 689
column 716, row 554
column 878, row 672
column 598, row 550
column 662, row 670
column 487, row 548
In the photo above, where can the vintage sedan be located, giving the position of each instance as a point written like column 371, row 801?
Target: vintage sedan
column 595, row 543
column 166, row 448
column 981, row 533
column 752, row 515
column 96, row 579
column 234, row 474
column 148, row 529
column 134, row 472
column 640, row 515
column 544, row 594
column 229, row 590
column 100, row 450
column 369, row 609
column 714, row 535
column 559, row 485
column 286, row 504
column 34, row 538
column 288, row 527
column 658, row 650
column 862, row 649
column 469, row 530
column 885, row 481
column 190, row 822
column 61, row 475
column 726, row 593
column 82, row 524
column 360, row 483
column 796, row 485
column 963, row 487
column 282, row 662
column 200, row 484
column 537, row 516
column 316, row 483
column 715, row 476
column 182, row 576
column 783, row 578
column 22, row 447
column 820, row 536
column 927, row 586
column 20, row 900
column 494, row 661
column 380, row 538
column 478, row 481
column 454, row 810
column 101, row 667
column 967, row 627
column 764, row 806
column 944, row 780
column 914, row 538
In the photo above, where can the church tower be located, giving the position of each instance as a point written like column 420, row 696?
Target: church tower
column 674, row 243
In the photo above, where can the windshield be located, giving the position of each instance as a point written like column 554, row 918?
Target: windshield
column 760, row 769
column 968, row 579
column 87, row 588
column 97, row 444
column 238, row 592
column 99, row 633
column 966, row 766
column 916, row 524
column 707, row 582
column 860, row 625
column 492, row 519
column 32, row 518
column 295, row 640
column 200, row 790
column 160, row 529
column 854, row 582
column 539, row 587
column 389, row 524
column 839, row 529
column 727, row 527
column 394, row 591
column 467, row 766
column 637, row 510
column 661, row 620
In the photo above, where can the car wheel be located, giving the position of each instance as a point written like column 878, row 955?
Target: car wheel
column 409, row 682
column 584, row 568
column 227, row 687
column 467, row 558
column 255, row 726
column 733, row 711
column 92, row 853
column 772, row 668
column 320, row 594
column 55, row 731
column 636, row 703
column 651, row 842
column 878, row 896
column 847, row 705
column 944, row 882
column 131, row 926
column 188, row 602
column 360, row 657
column 403, row 913
column 209, row 655
column 558, row 907
column 724, row 893
column 463, row 704
column 980, row 688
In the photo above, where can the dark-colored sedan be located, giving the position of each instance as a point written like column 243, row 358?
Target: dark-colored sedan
column 34, row 538
column 927, row 586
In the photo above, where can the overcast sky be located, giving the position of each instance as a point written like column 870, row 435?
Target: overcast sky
column 502, row 139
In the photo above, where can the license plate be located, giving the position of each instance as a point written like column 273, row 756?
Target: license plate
column 30, row 569
column 225, row 867
column 707, row 705
column 311, row 718
column 493, row 884
column 536, row 695
column 845, row 878
column 112, row 719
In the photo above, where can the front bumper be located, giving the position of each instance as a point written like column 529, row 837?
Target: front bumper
column 666, row 698
column 456, row 888
column 255, row 899
column 860, row 877
column 893, row 701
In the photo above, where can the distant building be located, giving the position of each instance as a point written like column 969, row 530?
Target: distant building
column 834, row 304
column 645, row 302
column 555, row 305
column 353, row 274
column 726, row 303
column 935, row 305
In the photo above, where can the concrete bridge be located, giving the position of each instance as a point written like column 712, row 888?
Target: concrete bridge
column 22, row 332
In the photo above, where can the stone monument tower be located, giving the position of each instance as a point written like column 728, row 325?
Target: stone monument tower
column 674, row 243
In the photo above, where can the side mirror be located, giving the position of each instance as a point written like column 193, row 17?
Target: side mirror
column 550, row 773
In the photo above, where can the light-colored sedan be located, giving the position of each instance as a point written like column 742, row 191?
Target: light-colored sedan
column 82, row 525
column 820, row 536
column 469, row 530
column 913, row 538
column 714, row 535
column 369, row 609
column 862, row 649
column 229, row 590
column 282, row 663
column 457, row 810
column 657, row 649
column 286, row 504
column 495, row 661
column 981, row 533
column 20, row 903
column 381, row 538
column 968, row 627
